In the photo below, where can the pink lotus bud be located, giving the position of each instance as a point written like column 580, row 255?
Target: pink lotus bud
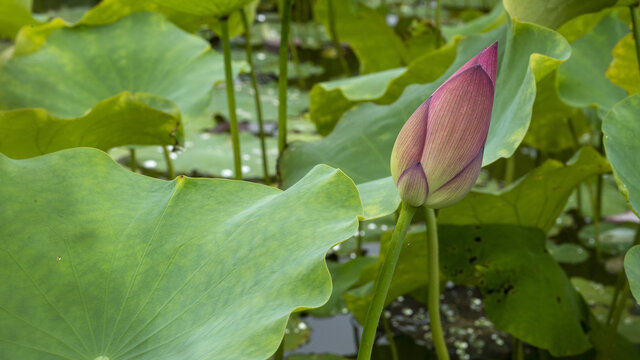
column 438, row 154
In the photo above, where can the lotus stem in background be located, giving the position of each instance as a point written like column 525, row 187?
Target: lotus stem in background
column 231, row 100
column 595, row 216
column 433, row 303
column 517, row 353
column 256, row 95
column 437, row 21
column 435, row 162
column 383, row 281
column 635, row 24
column 167, row 159
column 132, row 159
column 390, row 340
column 333, row 33
column 296, row 59
column 282, row 76
column 509, row 169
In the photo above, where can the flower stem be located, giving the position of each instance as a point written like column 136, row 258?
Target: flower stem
column 383, row 281
column 256, row 95
column 132, row 159
column 333, row 33
column 282, row 76
column 434, row 286
column 231, row 100
column 359, row 240
column 389, row 335
column 167, row 159
column 635, row 23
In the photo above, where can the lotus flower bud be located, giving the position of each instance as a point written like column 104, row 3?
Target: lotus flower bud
column 438, row 154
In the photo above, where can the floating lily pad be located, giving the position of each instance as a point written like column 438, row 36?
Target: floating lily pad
column 567, row 253
column 99, row 262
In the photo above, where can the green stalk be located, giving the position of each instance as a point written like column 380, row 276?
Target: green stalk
column 438, row 8
column 167, row 159
column 389, row 335
column 517, row 350
column 383, row 281
column 434, row 286
column 635, row 23
column 279, row 355
column 615, row 321
column 282, row 76
column 256, row 95
column 509, row 170
column 620, row 281
column 231, row 99
column 359, row 241
column 596, row 222
column 333, row 33
column 132, row 159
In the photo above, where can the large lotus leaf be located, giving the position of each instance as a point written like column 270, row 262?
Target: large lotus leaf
column 555, row 126
column 379, row 197
column 553, row 13
column 535, row 201
column 525, row 292
column 591, row 54
column 375, row 43
column 98, row 262
column 13, row 15
column 621, row 131
column 623, row 70
column 362, row 141
column 214, row 8
column 632, row 268
column 124, row 119
column 331, row 99
column 78, row 67
column 109, row 11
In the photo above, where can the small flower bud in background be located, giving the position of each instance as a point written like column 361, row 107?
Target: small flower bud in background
column 437, row 156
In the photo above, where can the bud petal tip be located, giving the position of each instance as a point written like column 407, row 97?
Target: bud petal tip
column 413, row 186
